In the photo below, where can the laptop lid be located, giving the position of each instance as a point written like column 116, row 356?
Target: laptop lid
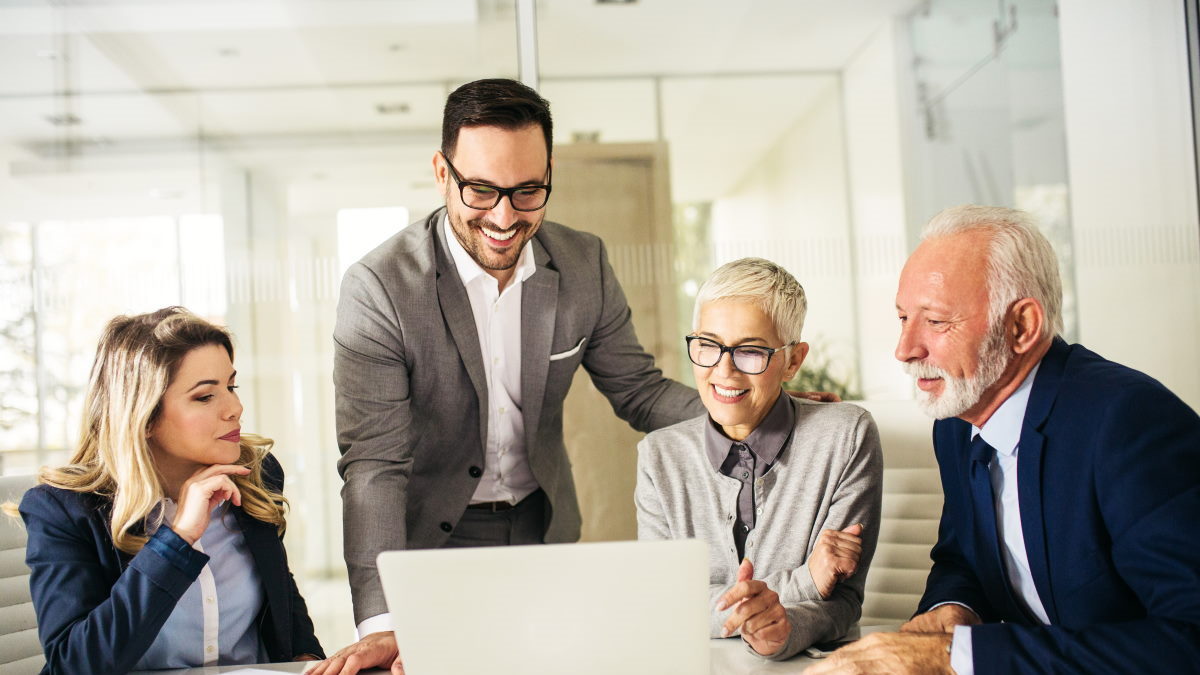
column 597, row 608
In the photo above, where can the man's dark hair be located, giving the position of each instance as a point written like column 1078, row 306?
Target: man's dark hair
column 507, row 104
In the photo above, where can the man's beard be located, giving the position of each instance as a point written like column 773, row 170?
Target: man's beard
column 480, row 251
column 960, row 394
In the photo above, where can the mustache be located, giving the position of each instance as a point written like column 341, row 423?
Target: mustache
column 922, row 370
column 485, row 223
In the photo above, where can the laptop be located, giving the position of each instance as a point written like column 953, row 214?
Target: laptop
column 587, row 609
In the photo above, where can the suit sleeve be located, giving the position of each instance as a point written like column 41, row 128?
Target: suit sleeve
column 623, row 371
column 952, row 579
column 1148, row 488
column 857, row 499
column 86, row 623
column 304, row 637
column 374, row 422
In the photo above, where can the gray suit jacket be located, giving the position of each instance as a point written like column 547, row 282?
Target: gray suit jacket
column 411, row 391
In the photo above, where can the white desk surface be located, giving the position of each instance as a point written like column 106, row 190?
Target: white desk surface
column 728, row 657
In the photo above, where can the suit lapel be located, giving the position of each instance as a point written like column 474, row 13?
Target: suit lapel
column 1030, row 461
column 539, row 305
column 456, row 311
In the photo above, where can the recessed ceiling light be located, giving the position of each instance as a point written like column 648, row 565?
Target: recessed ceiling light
column 48, row 54
column 67, row 120
column 392, row 108
column 228, row 52
column 397, row 47
column 615, row 2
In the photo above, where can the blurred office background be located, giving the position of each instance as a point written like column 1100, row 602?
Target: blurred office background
column 234, row 156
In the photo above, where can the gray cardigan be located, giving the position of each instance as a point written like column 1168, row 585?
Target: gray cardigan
column 829, row 477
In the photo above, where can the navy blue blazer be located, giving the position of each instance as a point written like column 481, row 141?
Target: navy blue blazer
column 99, row 609
column 1109, row 489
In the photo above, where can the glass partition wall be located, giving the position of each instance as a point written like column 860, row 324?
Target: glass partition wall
column 235, row 157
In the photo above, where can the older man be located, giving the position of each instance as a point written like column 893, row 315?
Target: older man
column 1072, row 483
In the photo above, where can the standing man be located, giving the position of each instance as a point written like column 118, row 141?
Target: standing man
column 1072, row 483
column 456, row 342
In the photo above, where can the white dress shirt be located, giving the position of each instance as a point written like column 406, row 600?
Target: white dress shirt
column 1002, row 431
column 506, row 473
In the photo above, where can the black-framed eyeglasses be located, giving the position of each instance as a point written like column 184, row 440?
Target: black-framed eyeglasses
column 485, row 197
column 749, row 359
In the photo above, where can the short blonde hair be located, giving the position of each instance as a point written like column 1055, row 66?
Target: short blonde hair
column 764, row 283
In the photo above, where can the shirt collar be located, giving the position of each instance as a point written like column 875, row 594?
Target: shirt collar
column 469, row 270
column 1002, row 431
column 766, row 441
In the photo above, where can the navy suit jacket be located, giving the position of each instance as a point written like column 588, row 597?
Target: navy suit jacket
column 1108, row 474
column 99, row 609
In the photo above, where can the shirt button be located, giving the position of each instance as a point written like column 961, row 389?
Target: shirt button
column 745, row 475
column 209, row 649
column 210, row 599
column 446, row 527
column 758, row 511
column 496, row 359
column 731, row 517
column 475, row 472
column 502, row 410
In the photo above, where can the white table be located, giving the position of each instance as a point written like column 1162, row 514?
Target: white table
column 727, row 657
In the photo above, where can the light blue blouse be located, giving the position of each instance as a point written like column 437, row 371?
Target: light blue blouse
column 216, row 620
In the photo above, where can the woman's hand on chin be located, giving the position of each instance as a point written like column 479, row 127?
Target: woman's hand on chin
column 200, row 494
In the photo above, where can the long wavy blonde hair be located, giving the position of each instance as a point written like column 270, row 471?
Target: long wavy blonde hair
column 136, row 360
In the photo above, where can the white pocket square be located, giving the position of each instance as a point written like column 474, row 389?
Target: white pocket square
column 569, row 352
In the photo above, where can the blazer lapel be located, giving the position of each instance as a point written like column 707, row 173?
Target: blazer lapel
column 262, row 540
column 1029, row 471
column 456, row 311
column 539, row 306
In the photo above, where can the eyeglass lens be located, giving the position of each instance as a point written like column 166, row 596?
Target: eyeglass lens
column 486, row 197
column 749, row 360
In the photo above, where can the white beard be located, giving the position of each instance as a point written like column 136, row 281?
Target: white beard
column 960, row 394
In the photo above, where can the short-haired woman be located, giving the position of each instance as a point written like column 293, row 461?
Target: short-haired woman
column 785, row 491
column 159, row 544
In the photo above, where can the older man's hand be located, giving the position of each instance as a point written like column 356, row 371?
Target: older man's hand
column 818, row 396
column 890, row 654
column 941, row 619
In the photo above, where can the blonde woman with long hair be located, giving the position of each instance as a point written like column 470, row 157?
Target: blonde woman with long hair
column 159, row 544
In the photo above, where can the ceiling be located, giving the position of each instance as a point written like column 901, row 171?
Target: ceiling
column 329, row 93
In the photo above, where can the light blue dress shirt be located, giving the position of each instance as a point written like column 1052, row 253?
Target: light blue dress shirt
column 1002, row 431
column 216, row 620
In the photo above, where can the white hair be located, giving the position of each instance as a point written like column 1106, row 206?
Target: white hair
column 1021, row 262
column 773, row 289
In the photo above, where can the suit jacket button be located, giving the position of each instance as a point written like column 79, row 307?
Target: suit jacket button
column 446, row 527
column 475, row 472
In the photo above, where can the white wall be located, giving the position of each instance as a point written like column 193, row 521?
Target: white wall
column 872, row 102
column 1133, row 186
column 792, row 208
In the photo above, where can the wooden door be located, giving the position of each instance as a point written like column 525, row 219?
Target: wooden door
column 621, row 193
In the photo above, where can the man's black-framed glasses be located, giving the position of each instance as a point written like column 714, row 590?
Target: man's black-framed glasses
column 485, row 197
column 749, row 359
